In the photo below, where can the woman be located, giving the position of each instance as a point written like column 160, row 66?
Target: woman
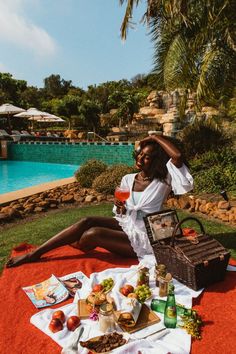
column 161, row 170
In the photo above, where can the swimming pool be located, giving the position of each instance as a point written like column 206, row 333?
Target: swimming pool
column 16, row 175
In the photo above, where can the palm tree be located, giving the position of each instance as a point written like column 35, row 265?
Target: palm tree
column 194, row 44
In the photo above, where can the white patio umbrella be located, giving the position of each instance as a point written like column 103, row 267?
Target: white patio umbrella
column 51, row 118
column 10, row 109
column 32, row 114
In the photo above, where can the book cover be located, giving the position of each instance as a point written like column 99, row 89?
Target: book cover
column 47, row 293
column 160, row 225
column 55, row 289
column 73, row 282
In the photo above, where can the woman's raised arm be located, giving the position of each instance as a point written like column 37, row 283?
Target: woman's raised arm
column 169, row 147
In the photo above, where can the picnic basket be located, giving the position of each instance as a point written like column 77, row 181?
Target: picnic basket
column 196, row 261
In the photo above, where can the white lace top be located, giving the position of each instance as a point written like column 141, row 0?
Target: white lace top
column 150, row 201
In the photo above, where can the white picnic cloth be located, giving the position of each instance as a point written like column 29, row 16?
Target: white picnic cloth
column 176, row 341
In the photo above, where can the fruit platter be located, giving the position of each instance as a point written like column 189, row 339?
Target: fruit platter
column 141, row 292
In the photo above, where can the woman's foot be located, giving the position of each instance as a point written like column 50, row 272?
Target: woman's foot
column 25, row 258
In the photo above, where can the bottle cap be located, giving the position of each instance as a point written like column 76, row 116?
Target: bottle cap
column 171, row 287
column 106, row 309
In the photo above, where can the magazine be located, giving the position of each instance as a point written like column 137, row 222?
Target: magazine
column 160, row 225
column 54, row 290
column 73, row 282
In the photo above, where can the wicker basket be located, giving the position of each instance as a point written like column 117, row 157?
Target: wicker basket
column 196, row 262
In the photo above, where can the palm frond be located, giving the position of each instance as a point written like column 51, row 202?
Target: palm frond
column 126, row 23
column 217, row 72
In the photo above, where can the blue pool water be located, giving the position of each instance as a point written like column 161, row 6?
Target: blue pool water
column 16, row 175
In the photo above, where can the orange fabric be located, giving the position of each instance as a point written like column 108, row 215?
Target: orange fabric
column 187, row 231
column 18, row 336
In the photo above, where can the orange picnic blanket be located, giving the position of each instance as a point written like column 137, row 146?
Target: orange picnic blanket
column 217, row 304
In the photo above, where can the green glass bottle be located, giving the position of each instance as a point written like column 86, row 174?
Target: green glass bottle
column 170, row 314
column 159, row 305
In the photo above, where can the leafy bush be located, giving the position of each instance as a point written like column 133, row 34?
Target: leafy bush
column 215, row 179
column 223, row 157
column 214, row 171
column 108, row 180
column 86, row 174
column 202, row 136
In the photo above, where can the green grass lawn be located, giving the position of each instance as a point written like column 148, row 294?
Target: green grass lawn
column 46, row 225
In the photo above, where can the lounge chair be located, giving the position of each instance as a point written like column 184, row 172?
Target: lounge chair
column 17, row 135
column 4, row 135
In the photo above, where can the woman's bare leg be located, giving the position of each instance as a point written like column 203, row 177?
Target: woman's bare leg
column 70, row 235
column 115, row 241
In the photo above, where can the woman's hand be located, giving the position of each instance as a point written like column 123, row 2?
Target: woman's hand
column 121, row 209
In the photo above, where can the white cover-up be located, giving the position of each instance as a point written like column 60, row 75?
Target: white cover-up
column 178, row 179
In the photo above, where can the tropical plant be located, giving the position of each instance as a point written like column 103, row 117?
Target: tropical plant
column 194, row 44
column 202, row 136
column 88, row 114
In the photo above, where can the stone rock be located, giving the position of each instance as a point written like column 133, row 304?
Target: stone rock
column 101, row 197
column 233, row 210
column 209, row 206
column 29, row 209
column 149, row 111
column 53, row 206
column 184, row 202
column 4, row 217
column 51, row 200
column 43, row 204
column 79, row 198
column 67, row 198
column 37, row 200
column 223, row 205
column 6, row 209
column 90, row 198
column 39, row 209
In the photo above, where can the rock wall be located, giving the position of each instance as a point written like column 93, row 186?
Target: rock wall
column 218, row 209
column 73, row 193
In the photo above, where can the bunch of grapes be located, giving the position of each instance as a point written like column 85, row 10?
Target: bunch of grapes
column 143, row 292
column 107, row 284
column 192, row 324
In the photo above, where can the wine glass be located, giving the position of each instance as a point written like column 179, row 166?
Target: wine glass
column 122, row 194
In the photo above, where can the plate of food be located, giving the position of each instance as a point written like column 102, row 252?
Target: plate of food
column 105, row 286
column 105, row 343
column 141, row 292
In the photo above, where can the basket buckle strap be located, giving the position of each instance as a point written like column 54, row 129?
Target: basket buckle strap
column 205, row 263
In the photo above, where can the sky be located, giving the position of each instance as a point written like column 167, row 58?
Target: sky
column 77, row 39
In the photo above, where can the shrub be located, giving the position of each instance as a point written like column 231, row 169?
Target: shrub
column 86, row 174
column 214, row 171
column 223, row 157
column 108, row 180
column 202, row 136
column 215, row 179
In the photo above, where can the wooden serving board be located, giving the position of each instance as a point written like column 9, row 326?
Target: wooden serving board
column 83, row 310
column 146, row 318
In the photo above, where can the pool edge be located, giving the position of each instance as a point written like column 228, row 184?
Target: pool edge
column 39, row 188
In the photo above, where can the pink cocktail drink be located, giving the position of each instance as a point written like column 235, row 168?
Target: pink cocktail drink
column 122, row 194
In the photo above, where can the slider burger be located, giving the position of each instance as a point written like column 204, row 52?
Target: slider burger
column 96, row 299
